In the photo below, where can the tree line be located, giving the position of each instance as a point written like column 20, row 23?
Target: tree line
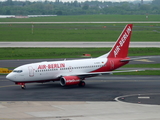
column 10, row 7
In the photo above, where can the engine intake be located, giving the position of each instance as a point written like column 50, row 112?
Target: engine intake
column 70, row 80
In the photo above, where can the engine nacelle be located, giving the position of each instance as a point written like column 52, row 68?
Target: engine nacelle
column 70, row 80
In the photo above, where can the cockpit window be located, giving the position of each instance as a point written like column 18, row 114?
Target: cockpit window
column 17, row 71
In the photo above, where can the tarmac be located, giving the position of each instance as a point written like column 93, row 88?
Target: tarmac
column 77, row 111
column 74, row 104
column 81, row 108
column 75, row 44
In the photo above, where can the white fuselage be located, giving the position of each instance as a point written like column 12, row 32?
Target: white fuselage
column 53, row 70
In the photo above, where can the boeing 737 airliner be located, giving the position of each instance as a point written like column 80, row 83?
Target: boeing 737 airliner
column 74, row 72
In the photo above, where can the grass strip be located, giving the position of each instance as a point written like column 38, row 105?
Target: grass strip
column 53, row 53
column 76, row 32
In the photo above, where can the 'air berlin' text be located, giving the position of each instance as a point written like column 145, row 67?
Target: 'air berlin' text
column 52, row 66
column 122, row 41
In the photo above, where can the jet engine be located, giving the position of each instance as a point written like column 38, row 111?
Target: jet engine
column 70, row 80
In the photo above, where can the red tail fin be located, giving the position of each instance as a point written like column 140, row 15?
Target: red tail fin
column 120, row 48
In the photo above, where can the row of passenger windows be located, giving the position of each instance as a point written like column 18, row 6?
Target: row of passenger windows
column 46, row 70
column 69, row 68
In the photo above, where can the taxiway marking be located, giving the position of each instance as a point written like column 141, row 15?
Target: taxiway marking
column 144, row 60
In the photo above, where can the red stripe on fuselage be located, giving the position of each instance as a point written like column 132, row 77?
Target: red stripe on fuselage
column 112, row 64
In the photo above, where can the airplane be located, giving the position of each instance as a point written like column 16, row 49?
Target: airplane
column 74, row 72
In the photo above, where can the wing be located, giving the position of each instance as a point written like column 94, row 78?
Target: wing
column 92, row 74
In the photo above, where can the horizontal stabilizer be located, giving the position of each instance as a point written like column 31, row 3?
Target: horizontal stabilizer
column 138, row 58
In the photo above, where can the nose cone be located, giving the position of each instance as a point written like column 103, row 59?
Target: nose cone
column 10, row 77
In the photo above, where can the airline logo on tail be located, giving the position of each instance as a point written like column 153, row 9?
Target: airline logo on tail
column 122, row 40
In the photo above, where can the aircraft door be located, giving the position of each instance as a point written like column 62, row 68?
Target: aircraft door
column 31, row 71
column 70, row 68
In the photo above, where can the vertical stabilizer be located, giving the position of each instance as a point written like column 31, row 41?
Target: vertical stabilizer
column 120, row 48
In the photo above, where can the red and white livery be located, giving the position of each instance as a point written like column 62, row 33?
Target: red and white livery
column 74, row 72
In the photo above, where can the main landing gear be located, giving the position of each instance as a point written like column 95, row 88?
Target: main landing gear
column 81, row 84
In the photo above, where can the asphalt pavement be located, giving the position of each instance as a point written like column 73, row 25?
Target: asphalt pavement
column 103, row 88
column 103, row 98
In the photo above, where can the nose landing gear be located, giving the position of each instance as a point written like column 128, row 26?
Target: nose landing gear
column 22, row 85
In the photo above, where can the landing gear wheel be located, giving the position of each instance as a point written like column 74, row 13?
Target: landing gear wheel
column 23, row 87
column 82, row 84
